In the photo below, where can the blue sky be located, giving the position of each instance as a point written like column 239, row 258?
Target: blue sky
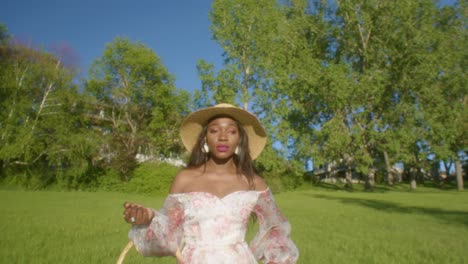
column 176, row 30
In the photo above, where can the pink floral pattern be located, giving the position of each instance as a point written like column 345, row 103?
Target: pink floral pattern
column 208, row 229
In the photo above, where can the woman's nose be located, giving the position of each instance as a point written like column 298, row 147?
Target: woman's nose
column 222, row 136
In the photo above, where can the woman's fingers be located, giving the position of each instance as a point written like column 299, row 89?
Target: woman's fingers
column 136, row 214
column 150, row 214
column 128, row 205
column 141, row 217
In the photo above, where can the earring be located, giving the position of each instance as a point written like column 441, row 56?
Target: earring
column 237, row 150
column 206, row 149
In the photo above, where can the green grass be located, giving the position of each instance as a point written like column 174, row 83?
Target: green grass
column 425, row 226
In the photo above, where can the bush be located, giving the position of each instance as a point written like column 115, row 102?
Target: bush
column 30, row 178
column 110, row 181
column 152, row 178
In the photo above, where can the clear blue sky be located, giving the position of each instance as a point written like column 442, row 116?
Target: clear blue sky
column 176, row 30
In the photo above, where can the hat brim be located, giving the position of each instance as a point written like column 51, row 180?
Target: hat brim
column 194, row 123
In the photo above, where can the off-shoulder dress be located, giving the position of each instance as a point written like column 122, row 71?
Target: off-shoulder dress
column 207, row 229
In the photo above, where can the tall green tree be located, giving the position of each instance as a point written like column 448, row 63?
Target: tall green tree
column 248, row 30
column 448, row 118
column 137, row 107
column 215, row 87
column 384, row 64
column 43, row 140
column 348, row 81
column 244, row 29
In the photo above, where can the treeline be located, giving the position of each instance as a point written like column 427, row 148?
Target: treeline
column 365, row 84
column 57, row 131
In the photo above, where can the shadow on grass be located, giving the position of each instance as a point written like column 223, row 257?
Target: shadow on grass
column 447, row 216
column 328, row 186
column 356, row 187
column 383, row 188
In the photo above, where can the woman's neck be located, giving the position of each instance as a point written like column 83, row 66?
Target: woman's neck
column 221, row 166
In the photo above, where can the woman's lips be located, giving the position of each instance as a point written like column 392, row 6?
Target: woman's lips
column 222, row 148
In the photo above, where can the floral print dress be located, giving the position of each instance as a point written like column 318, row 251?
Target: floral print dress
column 203, row 228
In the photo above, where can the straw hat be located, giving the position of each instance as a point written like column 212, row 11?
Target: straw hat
column 194, row 122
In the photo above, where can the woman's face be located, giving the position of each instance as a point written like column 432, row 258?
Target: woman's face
column 222, row 137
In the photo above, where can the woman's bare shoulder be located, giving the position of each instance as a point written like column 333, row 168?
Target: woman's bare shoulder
column 183, row 179
column 260, row 184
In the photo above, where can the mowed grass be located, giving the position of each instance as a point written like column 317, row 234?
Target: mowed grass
column 327, row 226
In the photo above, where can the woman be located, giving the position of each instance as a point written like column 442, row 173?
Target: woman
column 205, row 216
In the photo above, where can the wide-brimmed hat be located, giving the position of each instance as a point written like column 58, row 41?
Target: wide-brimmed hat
column 194, row 123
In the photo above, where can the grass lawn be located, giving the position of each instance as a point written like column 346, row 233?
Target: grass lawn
column 426, row 226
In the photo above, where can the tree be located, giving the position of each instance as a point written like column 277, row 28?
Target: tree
column 346, row 80
column 248, row 30
column 448, row 118
column 215, row 88
column 244, row 29
column 43, row 140
column 136, row 105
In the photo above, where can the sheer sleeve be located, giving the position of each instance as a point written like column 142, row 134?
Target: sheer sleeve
column 272, row 243
column 162, row 237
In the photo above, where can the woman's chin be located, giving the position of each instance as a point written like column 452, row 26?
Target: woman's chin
column 222, row 156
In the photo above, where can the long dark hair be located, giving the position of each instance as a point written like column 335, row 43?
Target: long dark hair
column 242, row 160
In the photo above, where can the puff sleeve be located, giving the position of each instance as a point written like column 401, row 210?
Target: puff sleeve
column 162, row 237
column 272, row 243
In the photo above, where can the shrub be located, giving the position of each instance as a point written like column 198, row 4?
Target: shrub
column 152, row 178
column 110, row 181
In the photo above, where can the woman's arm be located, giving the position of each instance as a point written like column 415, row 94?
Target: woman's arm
column 272, row 244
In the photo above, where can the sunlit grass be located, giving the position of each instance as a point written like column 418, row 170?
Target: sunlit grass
column 328, row 226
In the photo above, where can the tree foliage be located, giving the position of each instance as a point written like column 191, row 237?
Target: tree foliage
column 361, row 83
column 51, row 134
column 43, row 139
column 136, row 107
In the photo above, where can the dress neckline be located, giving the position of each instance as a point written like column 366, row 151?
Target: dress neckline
column 218, row 197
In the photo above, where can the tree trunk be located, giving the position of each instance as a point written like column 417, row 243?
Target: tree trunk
column 413, row 185
column 420, row 176
column 327, row 170
column 349, row 178
column 435, row 173
column 390, row 178
column 370, row 180
column 458, row 168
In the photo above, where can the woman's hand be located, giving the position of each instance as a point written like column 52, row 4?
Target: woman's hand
column 136, row 214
